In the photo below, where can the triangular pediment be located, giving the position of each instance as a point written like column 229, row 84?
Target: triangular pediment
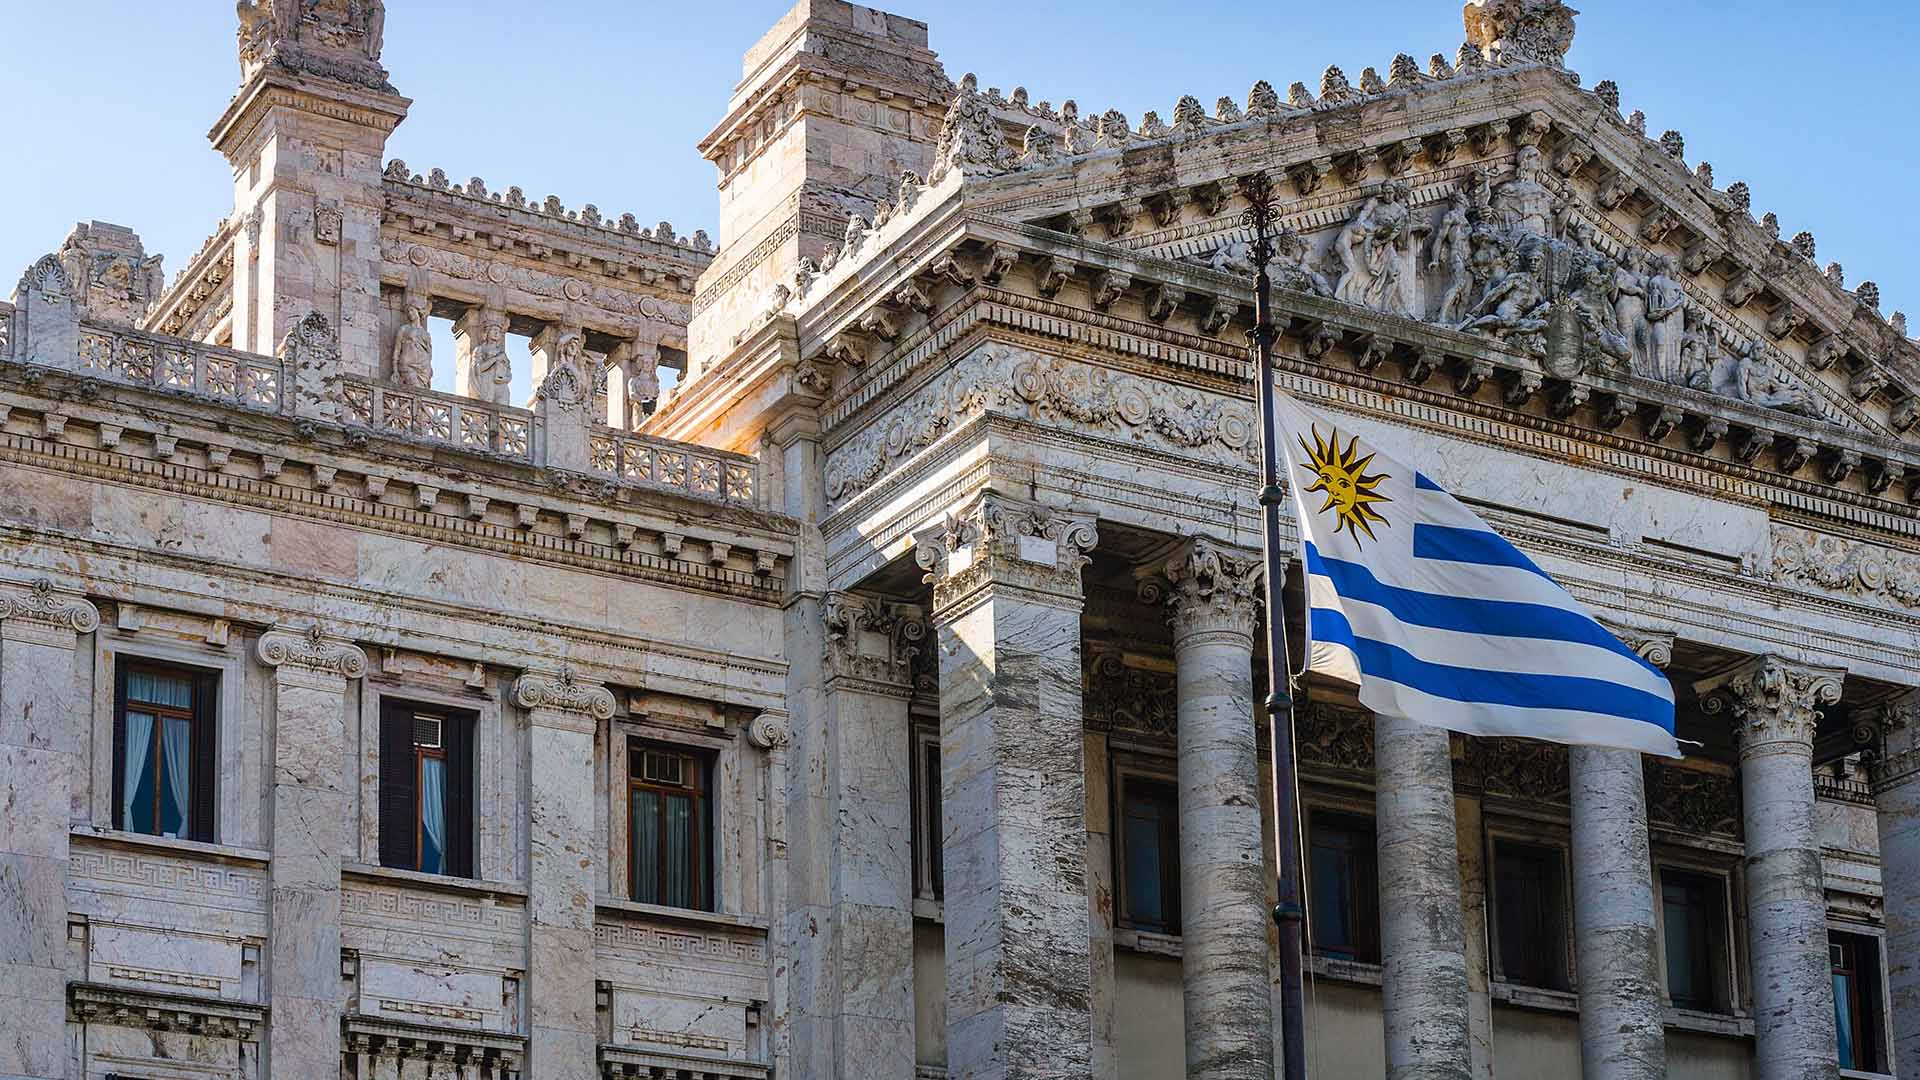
column 1430, row 195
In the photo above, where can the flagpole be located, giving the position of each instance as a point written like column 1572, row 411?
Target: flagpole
column 1289, row 913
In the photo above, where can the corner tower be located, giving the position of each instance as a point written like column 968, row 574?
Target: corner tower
column 305, row 136
column 833, row 104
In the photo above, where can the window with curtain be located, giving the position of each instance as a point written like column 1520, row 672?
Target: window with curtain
column 426, row 788
column 164, row 764
column 1693, row 917
column 1530, row 914
column 1343, row 888
column 669, row 825
column 1149, row 841
column 1857, row 1002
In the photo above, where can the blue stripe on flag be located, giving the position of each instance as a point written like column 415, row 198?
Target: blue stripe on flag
column 1394, row 664
column 1494, row 618
column 1421, row 483
column 1477, row 546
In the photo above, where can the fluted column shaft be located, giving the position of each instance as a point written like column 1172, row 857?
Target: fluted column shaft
column 1422, row 942
column 1223, row 889
column 1007, row 603
column 1896, row 793
column 41, row 740
column 1775, row 705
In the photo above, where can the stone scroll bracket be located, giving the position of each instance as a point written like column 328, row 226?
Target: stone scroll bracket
column 311, row 655
column 558, row 697
column 873, row 644
column 43, row 614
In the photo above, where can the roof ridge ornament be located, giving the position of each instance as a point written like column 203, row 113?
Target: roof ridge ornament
column 1520, row 31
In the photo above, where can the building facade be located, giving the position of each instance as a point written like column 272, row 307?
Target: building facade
column 879, row 698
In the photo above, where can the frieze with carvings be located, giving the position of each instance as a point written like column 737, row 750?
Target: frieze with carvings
column 1802, row 556
column 399, row 251
column 1056, row 392
column 1334, row 738
column 1129, row 700
column 1525, row 769
column 1692, row 800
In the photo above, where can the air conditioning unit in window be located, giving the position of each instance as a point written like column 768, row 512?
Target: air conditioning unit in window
column 664, row 768
column 426, row 731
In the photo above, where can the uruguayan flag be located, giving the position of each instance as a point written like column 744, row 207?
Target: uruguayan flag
column 1439, row 620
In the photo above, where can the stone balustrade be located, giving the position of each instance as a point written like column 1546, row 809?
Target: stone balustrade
column 464, row 422
column 650, row 462
column 142, row 359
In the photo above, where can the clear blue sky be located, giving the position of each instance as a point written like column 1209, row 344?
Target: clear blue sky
column 602, row 101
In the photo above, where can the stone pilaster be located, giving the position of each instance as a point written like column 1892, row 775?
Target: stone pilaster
column 1775, row 705
column 772, row 731
column 562, row 866
column 41, row 746
column 861, row 958
column 1622, row 1033
column 1007, row 602
column 1896, row 794
column 310, row 805
column 1223, row 889
column 1422, row 939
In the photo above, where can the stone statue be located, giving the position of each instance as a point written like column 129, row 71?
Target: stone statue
column 1666, row 327
column 643, row 386
column 373, row 27
column 1514, row 306
column 492, row 369
column 1593, row 304
column 1630, row 308
column 413, row 348
column 1700, row 354
column 1757, row 381
column 1520, row 31
column 1525, row 202
column 1291, row 269
column 1453, row 248
column 1371, row 250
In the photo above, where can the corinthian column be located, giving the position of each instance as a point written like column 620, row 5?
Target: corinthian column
column 562, row 713
column 1775, row 705
column 1896, row 794
column 1007, row 600
column 1223, row 887
column 41, row 743
column 1622, row 1028
column 1422, row 941
column 310, row 800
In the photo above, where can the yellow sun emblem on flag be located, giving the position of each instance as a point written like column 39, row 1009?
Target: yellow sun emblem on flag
column 1342, row 477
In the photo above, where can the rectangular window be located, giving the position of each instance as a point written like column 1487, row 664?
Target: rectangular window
column 1856, row 1001
column 164, row 760
column 1531, row 915
column 1343, row 883
column 927, row 837
column 669, row 824
column 1693, row 911
column 1150, row 854
column 426, row 788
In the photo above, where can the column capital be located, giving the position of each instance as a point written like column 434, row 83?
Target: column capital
column 872, row 641
column 996, row 539
column 311, row 650
column 561, row 691
column 43, row 612
column 1213, row 589
column 1654, row 646
column 771, row 730
column 1772, row 699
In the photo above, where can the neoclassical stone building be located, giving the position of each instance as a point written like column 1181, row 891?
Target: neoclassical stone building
column 879, row 699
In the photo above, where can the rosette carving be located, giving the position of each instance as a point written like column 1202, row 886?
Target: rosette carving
column 43, row 604
column 311, row 648
column 564, row 691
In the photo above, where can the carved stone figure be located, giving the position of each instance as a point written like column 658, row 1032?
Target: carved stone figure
column 1525, row 202
column 1666, row 327
column 1520, row 31
column 1756, row 380
column 1515, row 304
column 1290, row 267
column 1371, row 252
column 413, row 348
column 1700, row 355
column 1453, row 249
column 1630, row 308
column 1602, row 334
column 492, row 368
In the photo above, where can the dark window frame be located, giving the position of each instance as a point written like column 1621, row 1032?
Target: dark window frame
column 400, row 789
column 1126, row 782
column 701, row 855
column 202, row 812
column 929, row 877
column 1865, row 1004
column 1357, row 836
column 1538, row 939
column 1709, row 894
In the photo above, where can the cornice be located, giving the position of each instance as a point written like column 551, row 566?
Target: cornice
column 277, row 87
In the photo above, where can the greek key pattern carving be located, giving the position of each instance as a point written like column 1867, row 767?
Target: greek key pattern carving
column 106, row 869
column 1805, row 557
column 685, row 947
column 425, row 909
